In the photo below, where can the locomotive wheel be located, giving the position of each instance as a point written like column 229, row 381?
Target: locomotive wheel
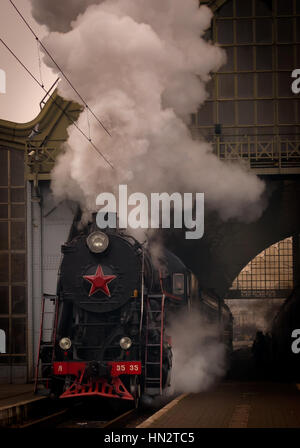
column 135, row 389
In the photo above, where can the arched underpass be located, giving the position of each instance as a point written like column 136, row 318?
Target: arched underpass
column 255, row 298
column 227, row 247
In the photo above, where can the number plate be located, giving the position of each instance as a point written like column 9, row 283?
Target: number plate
column 126, row 368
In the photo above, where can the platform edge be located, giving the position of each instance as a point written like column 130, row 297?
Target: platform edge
column 161, row 412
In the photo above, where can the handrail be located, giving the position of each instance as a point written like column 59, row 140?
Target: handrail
column 279, row 152
column 43, row 102
column 273, row 154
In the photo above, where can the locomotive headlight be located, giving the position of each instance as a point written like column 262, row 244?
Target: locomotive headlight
column 125, row 343
column 65, row 343
column 97, row 242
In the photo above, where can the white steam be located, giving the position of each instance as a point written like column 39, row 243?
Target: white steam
column 142, row 66
column 57, row 16
column 199, row 358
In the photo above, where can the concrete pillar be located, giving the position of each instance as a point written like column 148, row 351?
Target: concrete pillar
column 35, row 287
column 29, row 285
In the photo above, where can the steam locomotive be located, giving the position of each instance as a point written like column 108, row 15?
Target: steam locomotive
column 112, row 311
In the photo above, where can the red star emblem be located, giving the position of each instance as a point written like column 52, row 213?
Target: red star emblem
column 99, row 281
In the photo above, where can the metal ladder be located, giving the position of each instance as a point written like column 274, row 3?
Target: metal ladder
column 39, row 380
column 154, row 345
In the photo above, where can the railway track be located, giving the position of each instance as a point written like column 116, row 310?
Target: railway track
column 81, row 416
column 92, row 413
column 128, row 419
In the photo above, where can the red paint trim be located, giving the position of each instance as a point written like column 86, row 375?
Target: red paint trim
column 113, row 389
column 68, row 368
column 167, row 294
column 117, row 367
column 55, row 327
column 171, row 296
column 125, row 368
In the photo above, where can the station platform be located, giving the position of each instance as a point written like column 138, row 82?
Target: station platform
column 233, row 405
column 17, row 402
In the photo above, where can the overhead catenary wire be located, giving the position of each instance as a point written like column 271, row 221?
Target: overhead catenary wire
column 40, row 62
column 88, row 122
column 59, row 68
column 56, row 103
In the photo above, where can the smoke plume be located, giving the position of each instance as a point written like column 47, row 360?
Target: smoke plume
column 198, row 355
column 142, row 67
column 58, row 16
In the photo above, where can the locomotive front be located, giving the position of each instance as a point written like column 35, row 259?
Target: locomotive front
column 99, row 331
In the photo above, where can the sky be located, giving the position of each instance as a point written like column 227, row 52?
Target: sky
column 21, row 101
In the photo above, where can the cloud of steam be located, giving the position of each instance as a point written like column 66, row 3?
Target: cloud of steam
column 57, row 16
column 198, row 355
column 142, row 66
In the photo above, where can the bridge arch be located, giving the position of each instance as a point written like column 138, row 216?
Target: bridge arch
column 268, row 275
column 227, row 247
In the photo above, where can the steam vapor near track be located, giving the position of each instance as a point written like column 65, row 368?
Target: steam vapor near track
column 199, row 358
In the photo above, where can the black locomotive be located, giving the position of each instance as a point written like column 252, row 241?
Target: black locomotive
column 112, row 311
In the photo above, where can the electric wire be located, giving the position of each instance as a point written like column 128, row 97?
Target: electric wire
column 59, row 68
column 40, row 62
column 56, row 103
